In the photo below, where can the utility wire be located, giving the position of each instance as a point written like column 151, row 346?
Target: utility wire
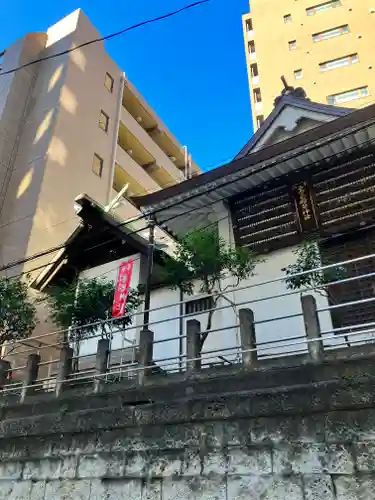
column 151, row 191
column 113, row 269
column 107, row 37
column 150, row 214
column 59, row 247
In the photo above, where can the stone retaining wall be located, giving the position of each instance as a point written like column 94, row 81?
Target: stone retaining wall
column 308, row 442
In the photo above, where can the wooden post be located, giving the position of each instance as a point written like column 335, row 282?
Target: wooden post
column 65, row 369
column 193, row 345
column 101, row 362
column 248, row 339
column 312, row 328
column 145, row 354
column 30, row 376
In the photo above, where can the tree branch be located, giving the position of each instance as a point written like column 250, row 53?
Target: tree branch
column 8, row 353
column 205, row 334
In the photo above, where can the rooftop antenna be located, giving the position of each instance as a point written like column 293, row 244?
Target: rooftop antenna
column 117, row 199
column 186, row 161
column 190, row 166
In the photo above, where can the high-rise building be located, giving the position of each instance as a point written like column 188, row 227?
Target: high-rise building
column 68, row 125
column 324, row 46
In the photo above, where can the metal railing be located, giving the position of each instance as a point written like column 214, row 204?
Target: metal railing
column 248, row 333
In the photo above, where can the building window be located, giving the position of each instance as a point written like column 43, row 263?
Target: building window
column 288, row 19
column 103, row 121
column 292, row 44
column 350, row 95
column 298, row 74
column 332, row 33
column 200, row 305
column 254, row 70
column 97, row 165
column 317, row 9
column 257, row 95
column 252, row 47
column 339, row 63
column 249, row 25
column 260, row 120
column 109, row 82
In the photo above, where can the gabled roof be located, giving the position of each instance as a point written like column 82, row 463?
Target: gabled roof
column 100, row 238
column 292, row 100
column 356, row 120
column 187, row 206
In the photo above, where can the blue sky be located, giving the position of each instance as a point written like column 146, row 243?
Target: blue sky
column 190, row 68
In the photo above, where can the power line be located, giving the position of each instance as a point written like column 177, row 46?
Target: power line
column 9, row 223
column 100, row 39
column 151, row 191
column 59, row 247
column 107, row 37
column 150, row 214
column 95, row 246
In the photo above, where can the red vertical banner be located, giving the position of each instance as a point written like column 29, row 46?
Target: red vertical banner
column 122, row 288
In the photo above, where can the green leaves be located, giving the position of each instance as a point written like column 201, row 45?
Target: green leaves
column 17, row 312
column 205, row 257
column 89, row 303
column 308, row 259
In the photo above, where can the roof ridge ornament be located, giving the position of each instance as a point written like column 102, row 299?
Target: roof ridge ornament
column 288, row 90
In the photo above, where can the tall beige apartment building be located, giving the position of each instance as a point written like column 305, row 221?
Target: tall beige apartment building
column 69, row 125
column 326, row 47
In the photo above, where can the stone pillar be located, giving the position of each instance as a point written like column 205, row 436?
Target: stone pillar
column 248, row 339
column 30, row 375
column 193, row 345
column 312, row 328
column 145, row 354
column 65, row 369
column 101, row 362
column 4, row 367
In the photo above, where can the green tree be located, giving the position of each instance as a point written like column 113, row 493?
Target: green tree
column 89, row 302
column 309, row 262
column 202, row 263
column 17, row 312
column 314, row 279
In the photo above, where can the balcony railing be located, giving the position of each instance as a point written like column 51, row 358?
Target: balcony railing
column 136, row 172
column 151, row 146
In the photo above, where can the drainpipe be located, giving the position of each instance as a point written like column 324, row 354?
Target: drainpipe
column 115, row 137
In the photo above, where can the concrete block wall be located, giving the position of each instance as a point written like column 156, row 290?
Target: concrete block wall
column 306, row 442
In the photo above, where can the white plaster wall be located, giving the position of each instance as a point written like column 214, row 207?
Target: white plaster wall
column 264, row 293
column 272, row 300
column 288, row 119
column 165, row 322
column 267, row 296
column 109, row 271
